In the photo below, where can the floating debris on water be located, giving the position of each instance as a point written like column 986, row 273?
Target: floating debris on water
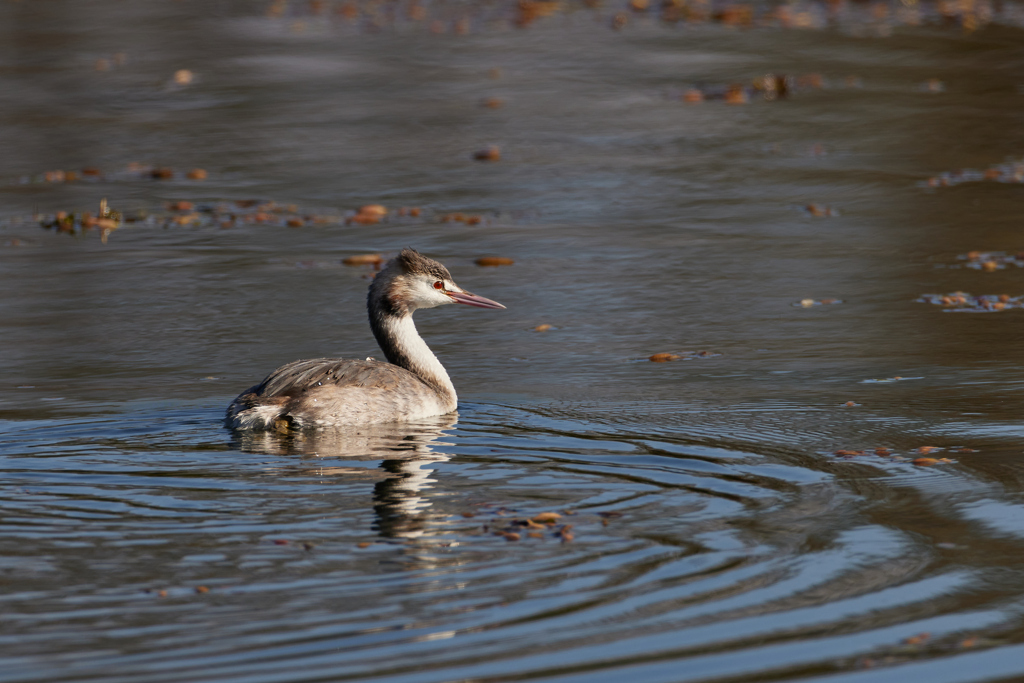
column 228, row 214
column 183, row 77
column 489, row 153
column 375, row 260
column 811, row 303
column 368, row 215
column 105, row 221
column 736, row 94
column 1008, row 172
column 133, row 171
column 682, row 355
column 820, row 210
column 440, row 19
column 546, row 518
column 494, row 261
column 962, row 302
column 769, row 87
column 888, row 380
column 991, row 261
column 913, row 455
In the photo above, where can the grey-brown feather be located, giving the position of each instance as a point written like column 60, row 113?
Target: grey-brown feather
column 302, row 375
column 330, row 391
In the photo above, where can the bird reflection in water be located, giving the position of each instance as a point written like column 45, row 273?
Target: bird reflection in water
column 407, row 456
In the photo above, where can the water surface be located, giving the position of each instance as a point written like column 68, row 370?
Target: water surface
column 715, row 535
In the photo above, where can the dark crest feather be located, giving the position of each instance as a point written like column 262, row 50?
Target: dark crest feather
column 415, row 263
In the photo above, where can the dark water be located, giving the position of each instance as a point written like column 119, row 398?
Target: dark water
column 715, row 534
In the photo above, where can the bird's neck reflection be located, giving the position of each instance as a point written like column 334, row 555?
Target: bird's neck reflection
column 399, row 502
column 407, row 454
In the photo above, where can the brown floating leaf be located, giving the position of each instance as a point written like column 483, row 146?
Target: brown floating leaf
column 364, row 544
column 546, row 518
column 374, row 210
column 924, row 462
column 663, row 357
column 489, row 153
column 736, row 94
column 196, row 174
column 363, row 260
column 202, row 589
column 494, row 261
column 542, row 328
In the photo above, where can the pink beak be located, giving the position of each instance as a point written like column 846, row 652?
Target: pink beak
column 473, row 300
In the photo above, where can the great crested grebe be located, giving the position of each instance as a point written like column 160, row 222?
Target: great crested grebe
column 326, row 392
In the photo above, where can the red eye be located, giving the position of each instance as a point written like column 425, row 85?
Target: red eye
column 438, row 285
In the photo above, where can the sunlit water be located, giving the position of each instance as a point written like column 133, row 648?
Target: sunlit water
column 708, row 531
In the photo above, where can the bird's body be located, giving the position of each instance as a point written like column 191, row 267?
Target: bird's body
column 332, row 392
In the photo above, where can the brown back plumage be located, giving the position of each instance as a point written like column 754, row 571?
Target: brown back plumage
column 302, row 375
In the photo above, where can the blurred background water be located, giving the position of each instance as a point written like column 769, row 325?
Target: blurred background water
column 724, row 516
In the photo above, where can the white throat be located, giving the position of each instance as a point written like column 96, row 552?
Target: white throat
column 409, row 351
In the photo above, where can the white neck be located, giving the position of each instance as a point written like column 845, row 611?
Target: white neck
column 403, row 346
